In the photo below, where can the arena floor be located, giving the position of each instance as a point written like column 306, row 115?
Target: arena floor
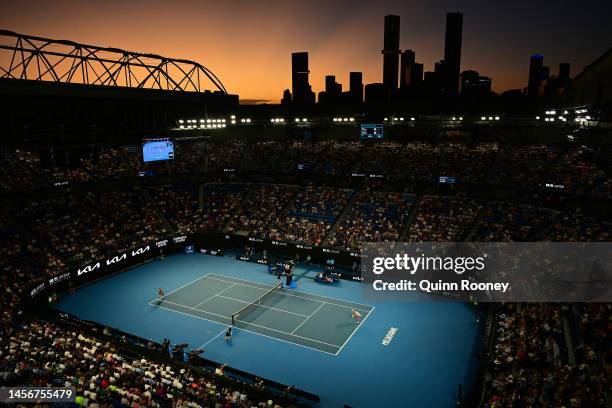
column 304, row 337
column 317, row 322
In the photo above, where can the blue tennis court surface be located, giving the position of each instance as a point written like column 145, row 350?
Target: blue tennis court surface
column 317, row 322
column 308, row 339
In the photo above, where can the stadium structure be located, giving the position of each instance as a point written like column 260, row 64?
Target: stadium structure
column 145, row 212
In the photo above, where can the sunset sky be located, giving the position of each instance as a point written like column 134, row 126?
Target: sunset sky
column 248, row 44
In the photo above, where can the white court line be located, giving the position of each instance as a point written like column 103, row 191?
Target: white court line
column 307, row 318
column 267, row 307
column 210, row 341
column 187, row 284
column 252, row 332
column 355, row 331
column 253, row 324
column 216, row 294
column 294, row 295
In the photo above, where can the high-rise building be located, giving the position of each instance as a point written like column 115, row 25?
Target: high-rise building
column 356, row 87
column 333, row 91
column 431, row 81
column 302, row 93
column 406, row 61
column 564, row 71
column 391, row 52
column 452, row 52
column 331, row 86
column 416, row 74
column 375, row 93
column 536, row 62
column 286, row 97
column 473, row 84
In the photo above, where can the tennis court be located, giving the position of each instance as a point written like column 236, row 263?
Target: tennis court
column 316, row 322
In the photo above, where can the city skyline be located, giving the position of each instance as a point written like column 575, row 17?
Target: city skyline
column 266, row 37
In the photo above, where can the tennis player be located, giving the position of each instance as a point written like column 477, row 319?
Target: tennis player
column 356, row 315
column 160, row 295
column 228, row 334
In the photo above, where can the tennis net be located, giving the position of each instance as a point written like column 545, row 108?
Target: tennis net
column 255, row 303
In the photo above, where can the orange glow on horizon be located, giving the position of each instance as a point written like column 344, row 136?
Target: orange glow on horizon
column 249, row 46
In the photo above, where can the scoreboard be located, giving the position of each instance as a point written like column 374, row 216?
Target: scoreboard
column 157, row 149
column 371, row 131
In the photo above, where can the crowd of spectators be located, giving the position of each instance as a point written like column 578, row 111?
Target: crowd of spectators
column 179, row 204
column 19, row 169
column 440, row 218
column 43, row 354
column 265, row 207
column 468, row 164
column 310, row 215
column 574, row 171
column 418, row 162
column 135, row 216
column 574, row 226
column 375, row 216
column 23, row 261
column 226, row 155
column 603, row 190
column 345, row 159
column 220, row 202
column 62, row 221
column 523, row 166
column 503, row 222
column 268, row 156
column 91, row 164
column 530, row 362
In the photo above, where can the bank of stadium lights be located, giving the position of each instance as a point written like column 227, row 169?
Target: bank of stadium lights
column 202, row 123
column 245, row 120
column 277, row 120
column 484, row 118
column 397, row 119
column 457, row 118
column 302, row 120
column 346, row 120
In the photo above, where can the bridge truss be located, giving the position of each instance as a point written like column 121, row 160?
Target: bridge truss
column 26, row 57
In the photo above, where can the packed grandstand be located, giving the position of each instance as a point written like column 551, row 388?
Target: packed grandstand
column 328, row 194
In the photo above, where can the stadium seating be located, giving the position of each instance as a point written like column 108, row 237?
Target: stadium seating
column 55, row 217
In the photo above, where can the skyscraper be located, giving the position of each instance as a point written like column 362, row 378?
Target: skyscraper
column 564, row 71
column 452, row 52
column 406, row 62
column 391, row 52
column 356, row 87
column 330, row 84
column 536, row 62
column 475, row 85
column 416, row 74
column 333, row 91
column 302, row 93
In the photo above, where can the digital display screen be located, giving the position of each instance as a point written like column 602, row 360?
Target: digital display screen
column 158, row 149
column 447, row 180
column 371, row 131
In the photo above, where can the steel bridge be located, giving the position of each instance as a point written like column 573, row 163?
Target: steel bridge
column 26, row 57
